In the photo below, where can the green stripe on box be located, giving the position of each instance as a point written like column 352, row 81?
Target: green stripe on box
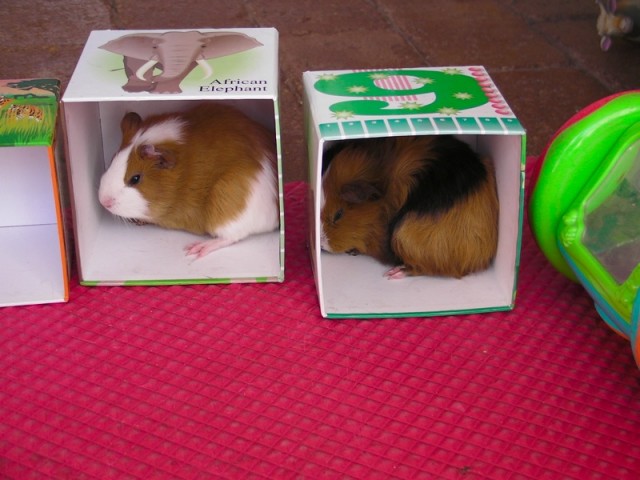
column 469, row 125
column 399, row 125
column 423, row 125
column 376, row 126
column 353, row 129
column 446, row 125
column 513, row 125
column 154, row 283
column 491, row 125
column 199, row 281
column 330, row 130
column 436, row 313
column 188, row 281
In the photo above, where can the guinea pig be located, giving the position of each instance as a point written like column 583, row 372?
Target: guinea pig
column 209, row 170
column 436, row 206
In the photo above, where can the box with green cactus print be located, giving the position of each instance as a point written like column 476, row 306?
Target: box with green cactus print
column 459, row 101
column 33, row 254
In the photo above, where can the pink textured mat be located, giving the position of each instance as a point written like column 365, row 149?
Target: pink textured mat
column 244, row 381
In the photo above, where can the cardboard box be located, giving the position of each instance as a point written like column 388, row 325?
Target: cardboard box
column 462, row 101
column 121, row 71
column 33, row 259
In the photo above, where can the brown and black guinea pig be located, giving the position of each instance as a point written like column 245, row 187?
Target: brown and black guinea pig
column 210, row 170
column 427, row 205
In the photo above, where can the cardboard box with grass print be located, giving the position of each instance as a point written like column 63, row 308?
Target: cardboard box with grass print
column 33, row 255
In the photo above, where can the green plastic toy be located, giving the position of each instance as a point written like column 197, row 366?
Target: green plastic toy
column 584, row 209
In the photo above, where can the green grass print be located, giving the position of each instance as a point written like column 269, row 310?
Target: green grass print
column 27, row 131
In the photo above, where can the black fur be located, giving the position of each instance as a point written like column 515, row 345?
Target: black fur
column 456, row 172
column 377, row 149
column 451, row 176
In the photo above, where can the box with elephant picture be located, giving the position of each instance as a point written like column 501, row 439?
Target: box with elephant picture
column 174, row 155
column 417, row 181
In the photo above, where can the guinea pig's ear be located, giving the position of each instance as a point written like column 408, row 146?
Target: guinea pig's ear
column 359, row 192
column 162, row 157
column 129, row 125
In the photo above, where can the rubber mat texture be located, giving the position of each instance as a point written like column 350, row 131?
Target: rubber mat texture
column 249, row 381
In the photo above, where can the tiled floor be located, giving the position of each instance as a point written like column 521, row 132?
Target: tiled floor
column 543, row 54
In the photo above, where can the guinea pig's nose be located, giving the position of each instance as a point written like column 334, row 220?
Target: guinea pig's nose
column 107, row 202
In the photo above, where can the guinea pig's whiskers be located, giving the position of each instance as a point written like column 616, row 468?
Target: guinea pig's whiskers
column 136, row 221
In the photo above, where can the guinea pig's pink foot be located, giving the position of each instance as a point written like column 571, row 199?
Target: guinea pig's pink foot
column 396, row 273
column 200, row 249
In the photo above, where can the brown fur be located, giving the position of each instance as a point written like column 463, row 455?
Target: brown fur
column 460, row 241
column 204, row 181
column 409, row 156
column 353, row 185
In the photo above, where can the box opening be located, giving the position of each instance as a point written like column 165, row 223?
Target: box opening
column 114, row 251
column 355, row 285
column 32, row 268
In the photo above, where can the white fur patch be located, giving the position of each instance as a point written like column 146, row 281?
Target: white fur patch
column 169, row 130
column 324, row 241
column 116, row 196
column 261, row 213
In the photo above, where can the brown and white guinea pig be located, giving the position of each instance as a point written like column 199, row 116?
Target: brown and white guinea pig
column 209, row 170
column 436, row 206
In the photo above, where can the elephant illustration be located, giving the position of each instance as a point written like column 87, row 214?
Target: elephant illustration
column 175, row 53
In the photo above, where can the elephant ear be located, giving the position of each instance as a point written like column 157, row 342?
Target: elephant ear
column 138, row 46
column 216, row 45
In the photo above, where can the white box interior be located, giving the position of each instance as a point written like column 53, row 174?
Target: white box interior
column 30, row 251
column 111, row 251
column 354, row 286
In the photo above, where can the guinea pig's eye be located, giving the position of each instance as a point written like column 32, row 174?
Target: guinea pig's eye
column 134, row 180
column 338, row 215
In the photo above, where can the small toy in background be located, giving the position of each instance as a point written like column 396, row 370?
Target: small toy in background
column 618, row 18
column 209, row 170
column 585, row 208
column 426, row 205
